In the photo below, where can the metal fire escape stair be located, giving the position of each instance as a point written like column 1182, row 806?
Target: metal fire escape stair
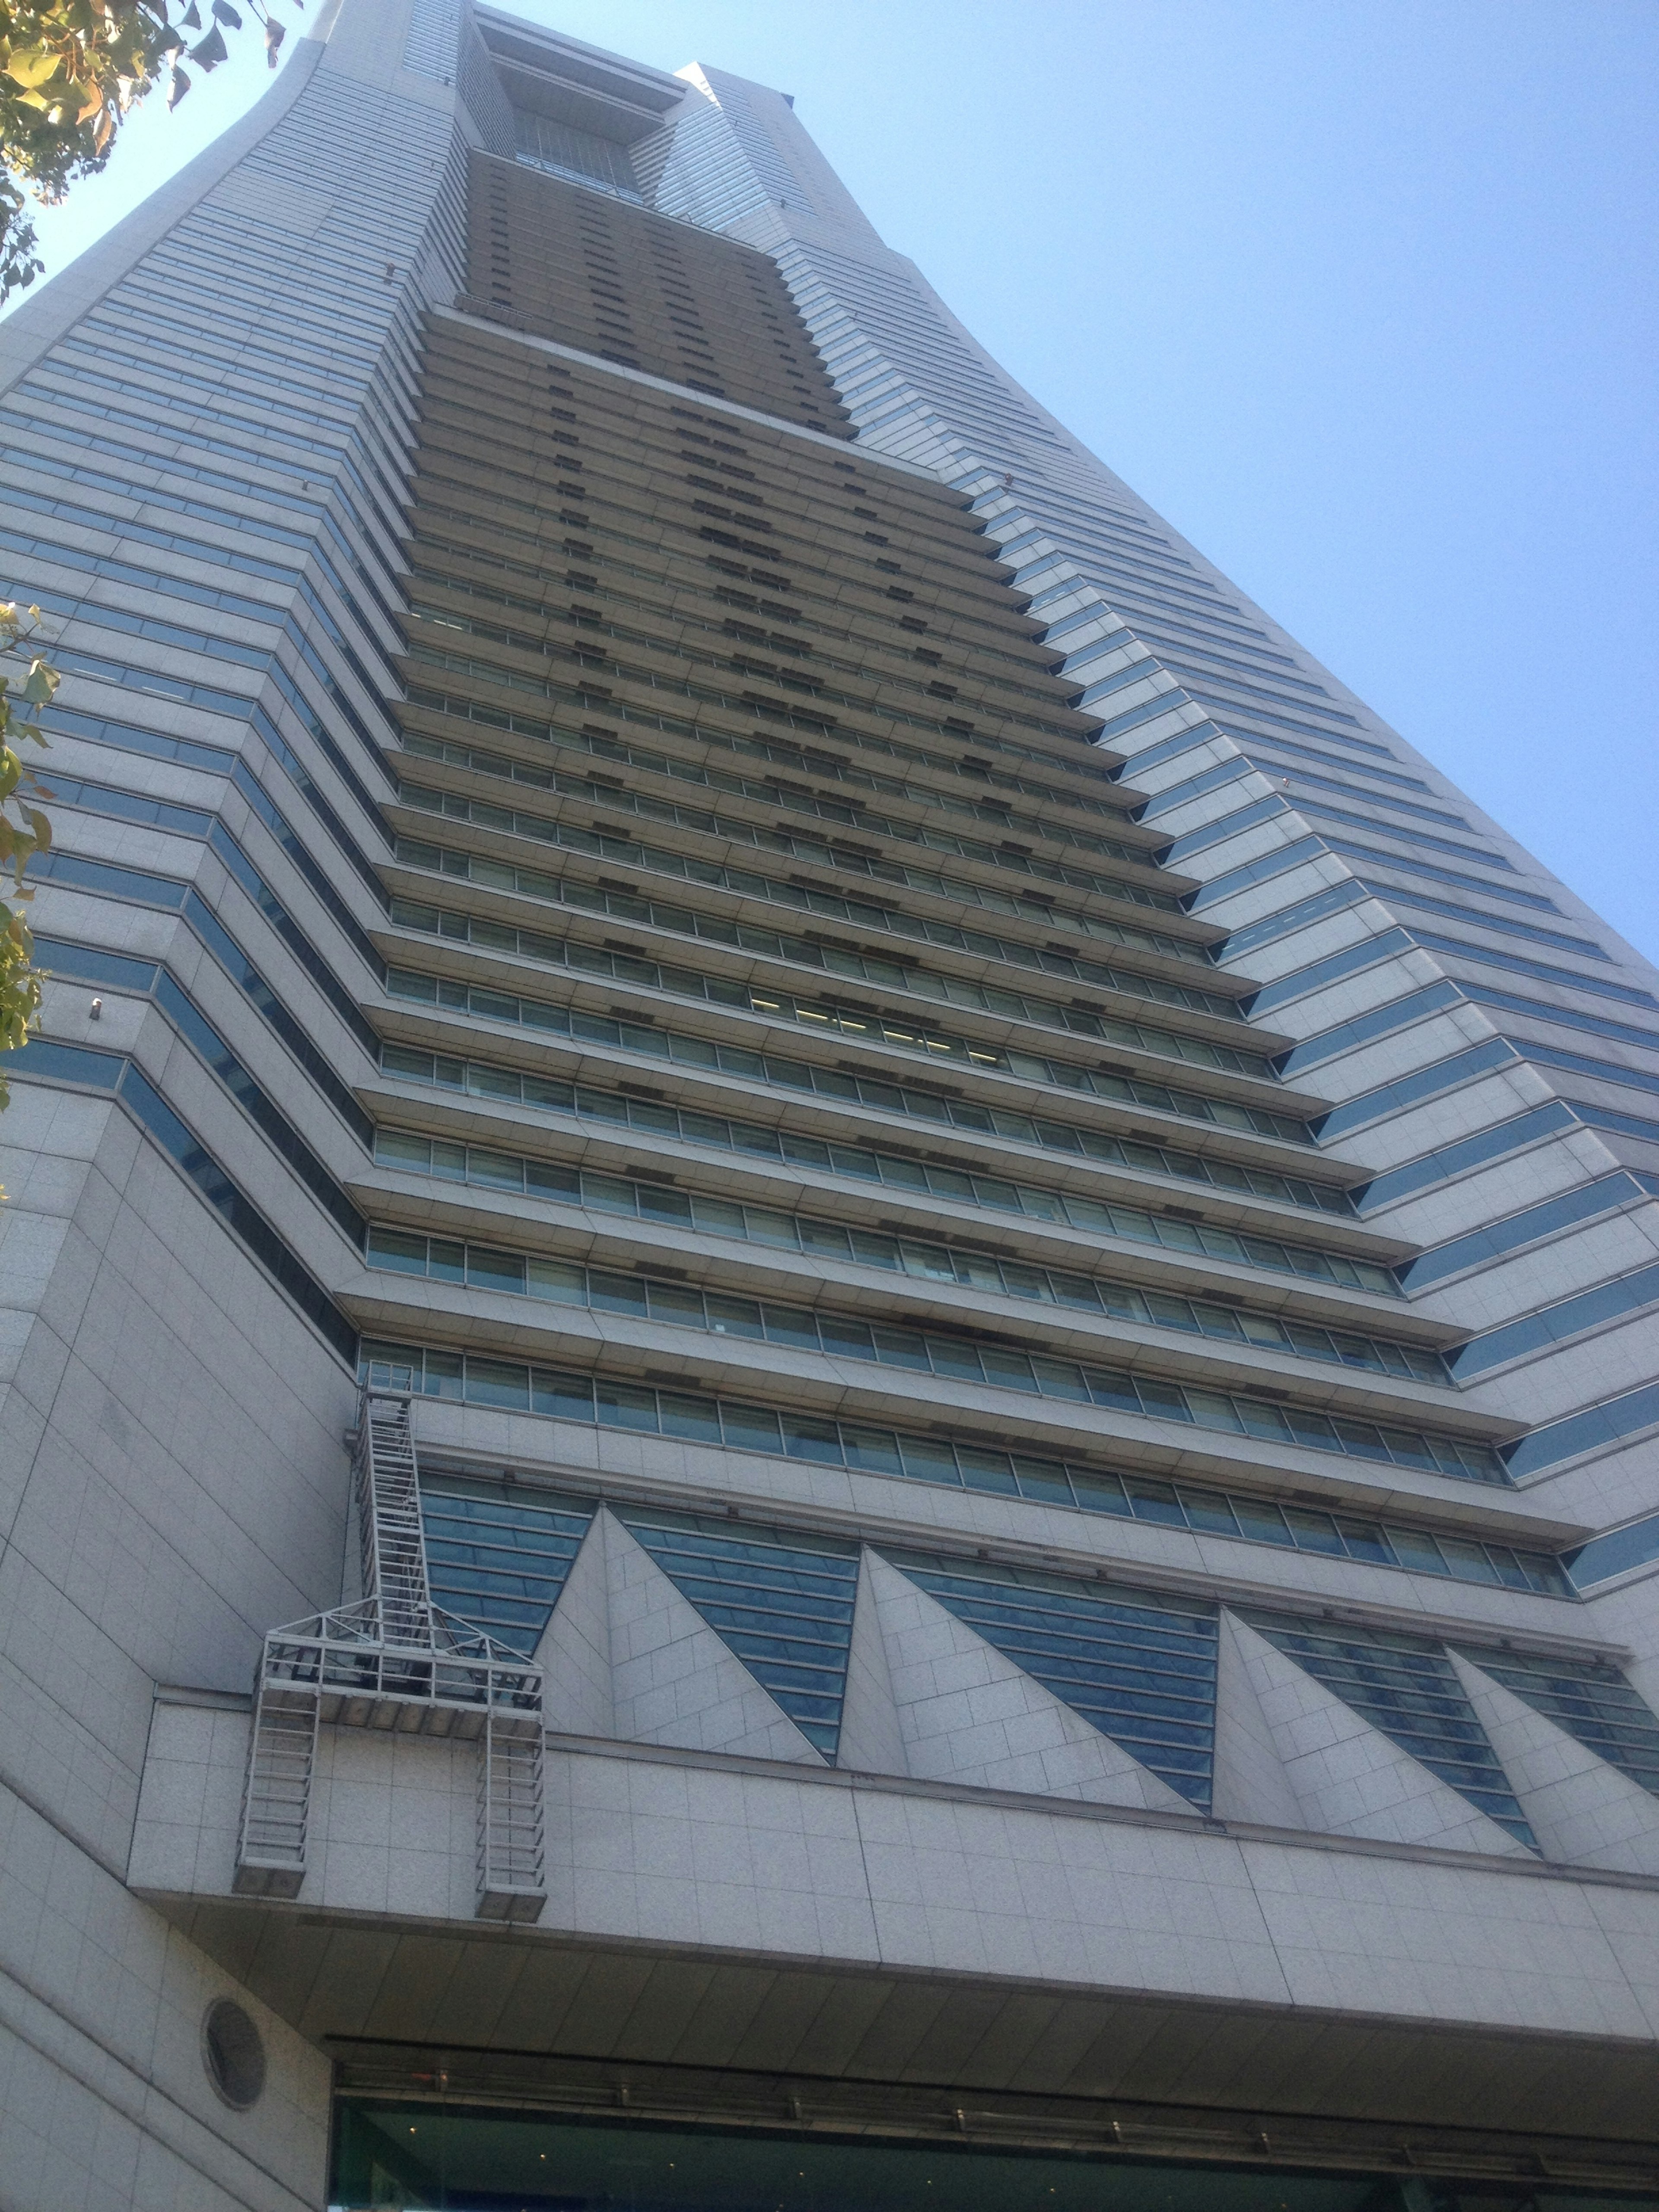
column 397, row 1663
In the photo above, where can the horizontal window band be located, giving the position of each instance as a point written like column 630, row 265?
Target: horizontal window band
column 1608, row 1302
column 1610, row 1423
column 503, row 1006
column 824, row 851
column 874, row 969
column 913, row 1252
column 1093, row 1217
column 850, row 815
column 1499, row 1238
column 45, row 1061
column 562, row 1283
column 512, row 1386
column 855, row 913
column 62, row 961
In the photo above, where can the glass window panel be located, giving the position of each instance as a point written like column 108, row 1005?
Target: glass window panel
column 1099, row 1493
column 1208, row 1510
column 1314, row 1532
column 750, row 1428
column 1154, row 1501
column 902, row 1347
column 446, row 1262
column 1043, row 1481
column 806, row 1438
column 679, row 1303
column 558, row 1280
column 929, row 1461
column 697, row 1419
column 730, row 1316
column 498, row 1383
column 1365, row 1541
column 792, row 1325
column 493, row 1271
column 620, row 1406
column 986, row 1470
column 1261, row 1521
column 619, row 1294
column 875, row 1451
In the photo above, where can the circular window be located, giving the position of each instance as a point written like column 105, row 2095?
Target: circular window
column 233, row 2053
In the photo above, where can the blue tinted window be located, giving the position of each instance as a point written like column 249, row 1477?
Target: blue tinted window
column 1423, row 1082
column 1301, row 981
column 1615, row 1554
column 783, row 1604
column 1593, row 1704
column 500, row 1559
column 1140, row 1668
column 1492, row 1143
column 1551, row 1324
column 1606, row 1423
column 1408, row 1690
column 1381, row 1021
column 1524, row 1228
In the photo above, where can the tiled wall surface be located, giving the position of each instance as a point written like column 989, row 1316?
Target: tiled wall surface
column 724, row 956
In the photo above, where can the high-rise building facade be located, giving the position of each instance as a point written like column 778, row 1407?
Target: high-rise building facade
column 832, row 1356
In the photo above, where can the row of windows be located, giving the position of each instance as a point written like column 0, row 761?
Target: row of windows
column 1408, row 1689
column 718, row 990
column 1514, row 1229
column 912, row 1253
column 43, row 463
column 247, row 457
column 105, row 352
column 802, row 952
column 1486, row 994
column 1094, row 1217
column 1489, row 956
column 1364, row 1029
column 1615, row 1301
column 490, row 555
column 800, row 624
column 952, row 1358
column 854, row 815
column 1365, row 953
column 140, row 887
column 792, row 845
column 860, row 914
column 1230, row 710
column 1235, row 1515
column 946, row 570
column 798, row 1075
column 1497, row 1142
column 107, row 566
column 56, row 957
column 674, row 623
column 599, row 699
column 46, row 1061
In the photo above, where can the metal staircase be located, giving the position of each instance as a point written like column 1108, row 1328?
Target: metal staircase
column 397, row 1663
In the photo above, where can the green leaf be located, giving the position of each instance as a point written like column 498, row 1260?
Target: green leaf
column 33, row 66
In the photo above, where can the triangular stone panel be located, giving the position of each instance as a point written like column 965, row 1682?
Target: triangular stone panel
column 575, row 1646
column 1348, row 1778
column 1251, row 1781
column 872, row 1740
column 780, row 1601
column 1581, row 1810
column 673, row 1680
column 967, row 1714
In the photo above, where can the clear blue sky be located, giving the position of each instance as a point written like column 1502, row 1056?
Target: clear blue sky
column 1361, row 294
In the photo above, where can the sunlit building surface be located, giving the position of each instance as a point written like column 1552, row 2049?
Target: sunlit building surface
column 833, row 1367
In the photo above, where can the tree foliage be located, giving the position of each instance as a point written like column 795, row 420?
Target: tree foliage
column 24, row 829
column 70, row 71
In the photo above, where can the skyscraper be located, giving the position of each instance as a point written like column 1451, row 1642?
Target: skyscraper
column 833, row 1374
